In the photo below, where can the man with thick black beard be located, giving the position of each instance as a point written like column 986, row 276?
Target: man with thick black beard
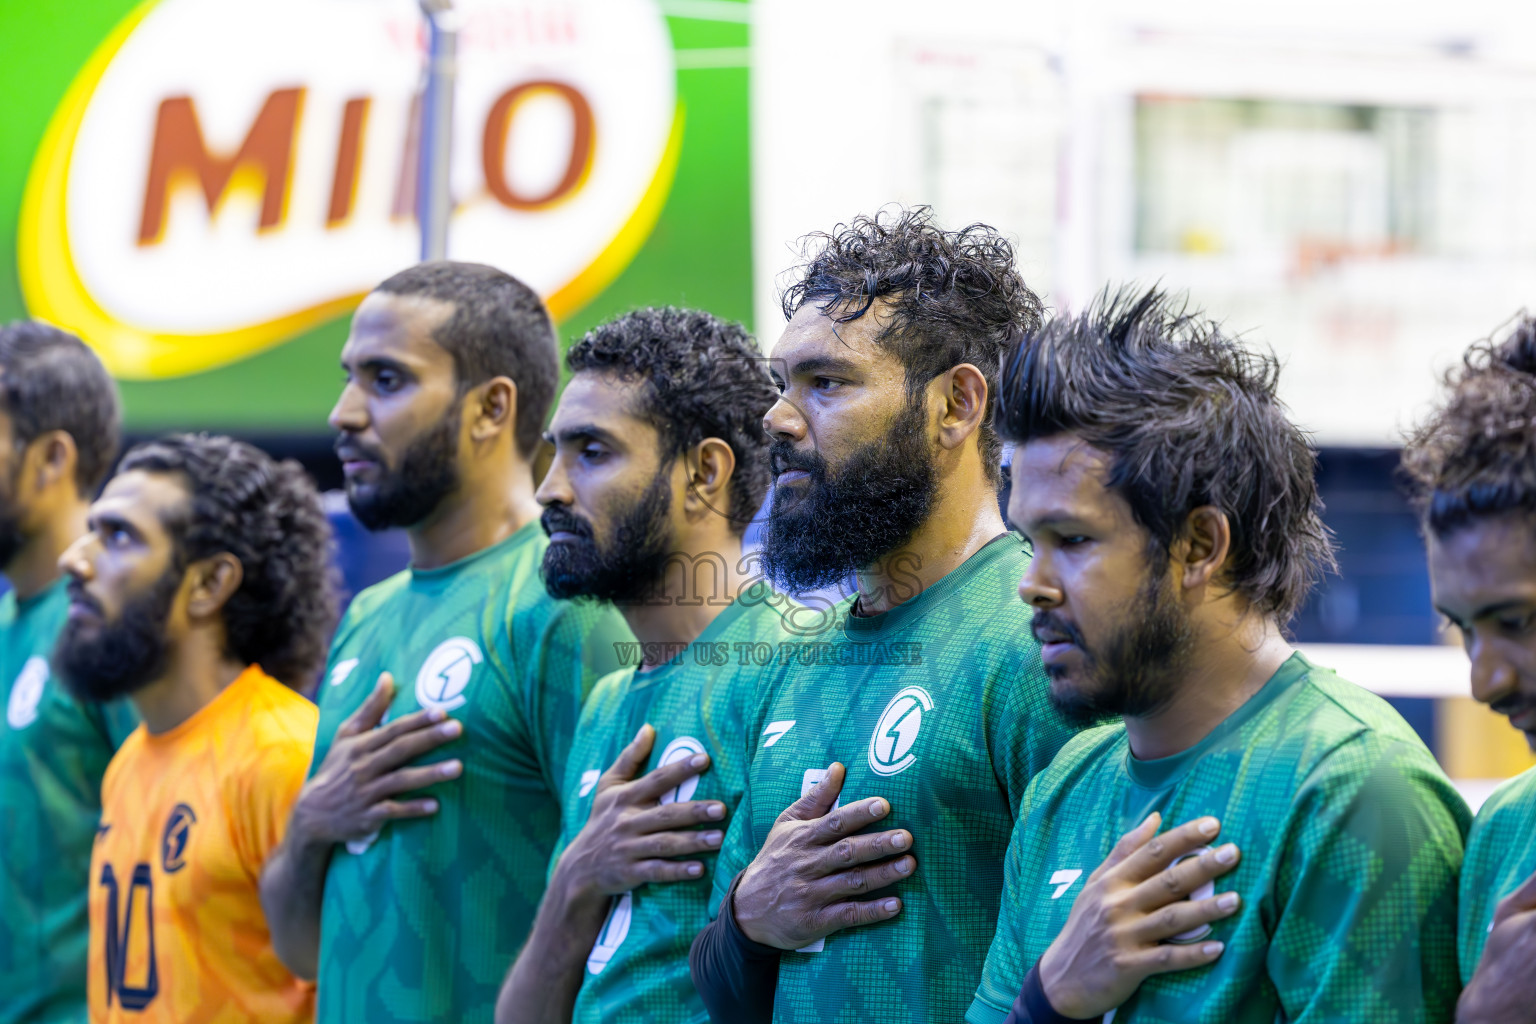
column 404, row 904
column 58, row 437
column 1174, row 518
column 926, row 683
column 202, row 592
column 660, row 464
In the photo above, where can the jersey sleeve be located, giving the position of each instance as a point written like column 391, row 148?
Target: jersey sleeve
column 1024, row 730
column 1005, row 968
column 1365, row 894
column 266, row 788
column 582, row 642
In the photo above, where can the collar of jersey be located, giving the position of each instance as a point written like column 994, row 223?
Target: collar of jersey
column 719, row 624
column 520, row 536
column 866, row 628
column 58, row 590
column 1162, row 772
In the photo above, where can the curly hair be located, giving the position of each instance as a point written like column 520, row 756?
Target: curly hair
column 499, row 328
column 267, row 514
column 952, row 297
column 1476, row 456
column 701, row 377
column 1188, row 417
column 50, row 380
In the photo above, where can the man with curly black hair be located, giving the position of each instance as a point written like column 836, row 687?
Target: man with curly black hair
column 925, row 683
column 1472, row 472
column 58, row 437
column 202, row 592
column 660, row 464
column 450, row 371
column 1175, row 522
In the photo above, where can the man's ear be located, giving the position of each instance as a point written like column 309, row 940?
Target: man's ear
column 50, row 458
column 492, row 407
column 211, row 583
column 964, row 391
column 1202, row 550
column 710, row 466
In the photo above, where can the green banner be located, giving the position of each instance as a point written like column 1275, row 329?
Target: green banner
column 203, row 189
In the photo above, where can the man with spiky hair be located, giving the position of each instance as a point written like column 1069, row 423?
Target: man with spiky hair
column 660, row 464
column 918, row 702
column 58, row 437
column 202, row 592
column 1174, row 517
column 1472, row 468
column 411, row 872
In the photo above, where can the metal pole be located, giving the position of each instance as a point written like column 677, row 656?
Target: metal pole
column 433, row 202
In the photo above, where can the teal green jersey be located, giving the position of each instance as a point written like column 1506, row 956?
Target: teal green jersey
column 53, row 751
column 941, row 706
column 1501, row 853
column 421, row 921
column 1351, row 838
column 699, row 701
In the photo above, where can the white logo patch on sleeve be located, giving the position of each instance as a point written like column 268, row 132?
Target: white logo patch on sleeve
column 443, row 676
column 342, row 670
column 588, row 781
column 615, row 930
column 775, row 731
column 1063, row 880
column 808, row 782
column 890, row 747
column 27, row 693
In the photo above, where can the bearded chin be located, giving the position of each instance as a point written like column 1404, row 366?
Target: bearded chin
column 625, row 571
column 1137, row 671
column 840, row 522
column 427, row 474
column 105, row 661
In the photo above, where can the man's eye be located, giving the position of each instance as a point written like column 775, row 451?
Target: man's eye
column 827, row 384
column 118, row 538
column 592, row 453
column 1517, row 624
column 388, row 382
column 1074, row 540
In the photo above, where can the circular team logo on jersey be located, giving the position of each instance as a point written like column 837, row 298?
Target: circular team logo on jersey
column 341, row 671
column 178, row 834
column 890, row 748
column 444, row 675
column 680, row 749
column 1204, row 892
column 27, row 693
column 615, row 930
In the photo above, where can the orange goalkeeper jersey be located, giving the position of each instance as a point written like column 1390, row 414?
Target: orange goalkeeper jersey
column 188, row 819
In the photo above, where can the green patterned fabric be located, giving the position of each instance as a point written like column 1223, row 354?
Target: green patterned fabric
column 53, row 751
column 941, row 706
column 420, row 922
column 1501, row 853
column 698, row 701
column 1351, row 838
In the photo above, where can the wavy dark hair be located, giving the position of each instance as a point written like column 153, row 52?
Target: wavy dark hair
column 267, row 514
column 1188, row 417
column 1475, row 457
column 499, row 327
column 700, row 377
column 952, row 296
column 50, row 380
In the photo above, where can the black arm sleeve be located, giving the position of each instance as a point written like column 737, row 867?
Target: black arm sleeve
column 735, row 976
column 1032, row 1007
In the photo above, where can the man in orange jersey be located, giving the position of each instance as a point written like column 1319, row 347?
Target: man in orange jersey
column 202, row 593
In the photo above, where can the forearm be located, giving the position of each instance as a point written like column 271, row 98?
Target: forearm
column 735, row 976
column 292, row 887
column 542, row 986
column 1032, row 1006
